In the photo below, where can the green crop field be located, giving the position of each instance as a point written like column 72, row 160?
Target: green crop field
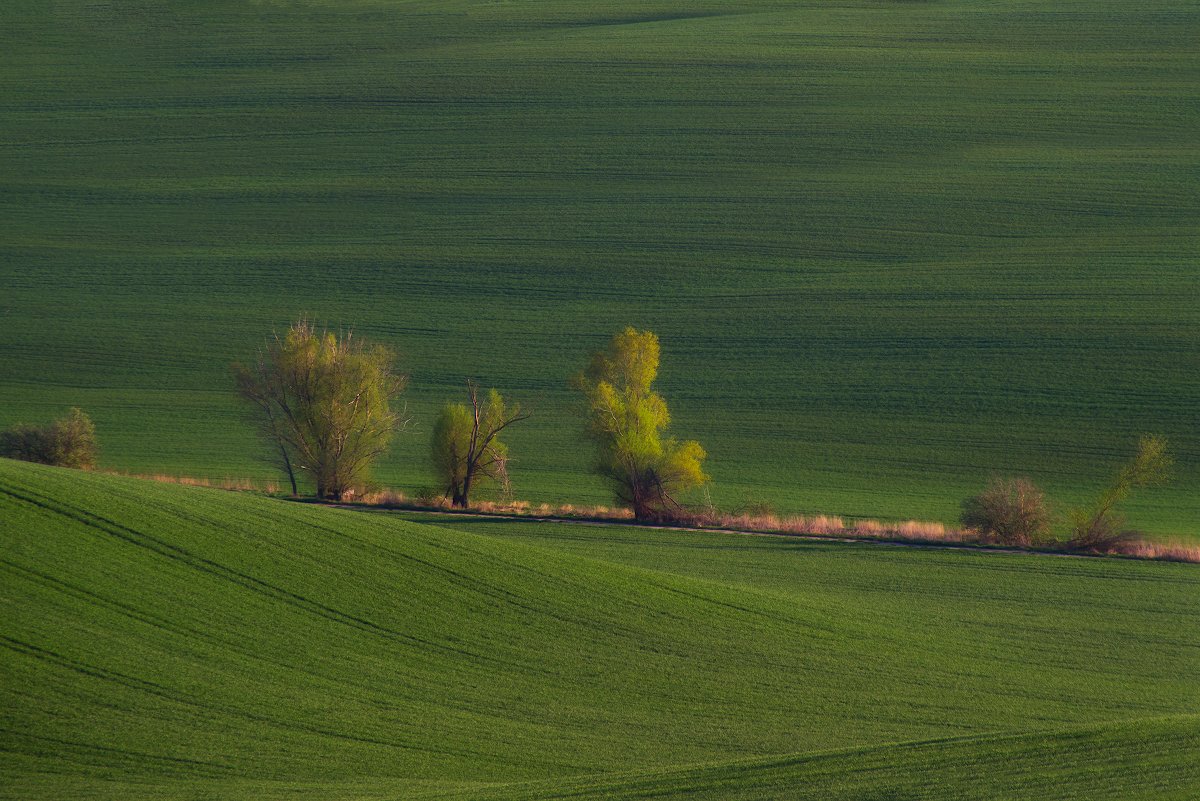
column 178, row 643
column 891, row 248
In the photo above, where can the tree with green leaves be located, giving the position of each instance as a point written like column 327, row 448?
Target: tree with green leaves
column 627, row 420
column 467, row 445
column 324, row 403
column 1101, row 528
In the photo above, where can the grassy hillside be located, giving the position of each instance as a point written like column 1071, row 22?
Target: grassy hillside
column 162, row 642
column 1133, row 760
column 890, row 247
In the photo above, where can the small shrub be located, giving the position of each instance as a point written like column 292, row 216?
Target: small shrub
column 428, row 496
column 67, row 442
column 27, row 443
column 1099, row 532
column 754, row 506
column 384, row 497
column 1008, row 512
column 826, row 525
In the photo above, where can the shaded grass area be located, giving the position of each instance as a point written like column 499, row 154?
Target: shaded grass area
column 1134, row 760
column 890, row 248
column 171, row 641
column 1138, row 759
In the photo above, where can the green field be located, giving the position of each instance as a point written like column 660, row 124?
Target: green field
column 890, row 247
column 167, row 642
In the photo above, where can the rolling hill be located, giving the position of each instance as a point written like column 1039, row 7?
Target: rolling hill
column 890, row 247
column 171, row 642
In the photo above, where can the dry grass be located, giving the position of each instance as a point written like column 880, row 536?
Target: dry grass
column 398, row 500
column 1162, row 551
column 830, row 526
column 230, row 484
column 384, row 498
column 567, row 511
column 922, row 531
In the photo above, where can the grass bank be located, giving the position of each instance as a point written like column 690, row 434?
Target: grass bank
column 165, row 641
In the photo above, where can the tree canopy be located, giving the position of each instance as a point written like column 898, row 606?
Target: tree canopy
column 323, row 402
column 627, row 420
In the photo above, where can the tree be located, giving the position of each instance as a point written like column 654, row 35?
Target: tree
column 1008, row 512
column 69, row 441
column 1101, row 528
column 466, row 443
column 323, row 402
column 626, row 420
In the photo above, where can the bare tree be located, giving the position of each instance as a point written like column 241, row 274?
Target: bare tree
column 1008, row 512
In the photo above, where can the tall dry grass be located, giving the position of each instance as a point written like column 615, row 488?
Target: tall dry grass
column 829, row 526
column 230, row 484
column 385, row 497
column 1176, row 551
column 918, row 531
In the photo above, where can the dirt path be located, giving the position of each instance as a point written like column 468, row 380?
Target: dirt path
column 932, row 544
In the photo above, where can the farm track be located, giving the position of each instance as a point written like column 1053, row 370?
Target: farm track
column 450, row 515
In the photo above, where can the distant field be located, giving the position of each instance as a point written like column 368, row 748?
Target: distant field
column 890, row 248
column 163, row 642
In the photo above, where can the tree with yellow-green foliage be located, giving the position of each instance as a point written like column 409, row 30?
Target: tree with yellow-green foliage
column 627, row 420
column 467, row 446
column 323, row 402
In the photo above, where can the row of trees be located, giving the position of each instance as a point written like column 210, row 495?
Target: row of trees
column 328, row 406
column 324, row 403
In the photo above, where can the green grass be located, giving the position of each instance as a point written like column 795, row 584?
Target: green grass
column 891, row 248
column 167, row 642
column 1129, row 761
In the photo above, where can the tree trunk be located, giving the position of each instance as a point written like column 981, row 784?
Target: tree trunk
column 641, row 506
column 287, row 466
column 462, row 495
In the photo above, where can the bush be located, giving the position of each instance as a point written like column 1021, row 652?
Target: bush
column 1008, row 512
column 67, row 442
column 430, row 497
column 1100, row 532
